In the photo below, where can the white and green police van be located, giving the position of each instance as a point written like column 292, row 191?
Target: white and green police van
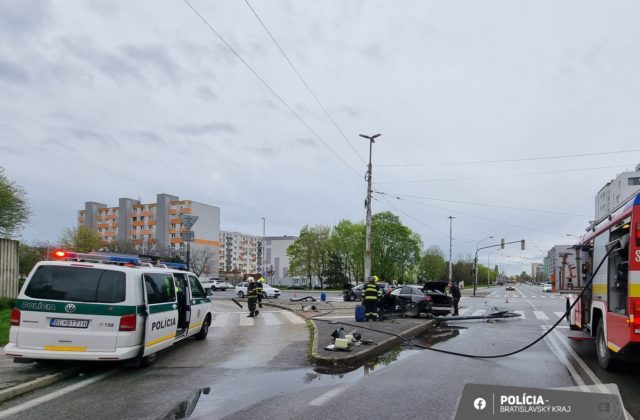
column 110, row 308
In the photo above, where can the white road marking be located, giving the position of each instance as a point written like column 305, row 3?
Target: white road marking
column 270, row 318
column 220, row 319
column 294, row 319
column 464, row 311
column 541, row 315
column 37, row 401
column 246, row 321
column 559, row 314
column 322, row 399
column 478, row 312
column 522, row 316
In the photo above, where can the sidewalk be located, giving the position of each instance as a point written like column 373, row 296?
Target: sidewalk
column 19, row 378
column 329, row 316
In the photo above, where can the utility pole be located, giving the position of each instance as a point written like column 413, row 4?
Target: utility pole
column 263, row 259
column 475, row 265
column 367, row 203
column 450, row 247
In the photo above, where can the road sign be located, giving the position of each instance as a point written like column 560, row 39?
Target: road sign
column 188, row 220
column 188, row 236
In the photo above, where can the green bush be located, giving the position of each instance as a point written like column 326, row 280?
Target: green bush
column 7, row 303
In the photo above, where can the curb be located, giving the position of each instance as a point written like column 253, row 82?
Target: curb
column 361, row 356
column 375, row 350
column 17, row 390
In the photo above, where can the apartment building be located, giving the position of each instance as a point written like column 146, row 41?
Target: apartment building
column 276, row 259
column 156, row 228
column 616, row 192
column 240, row 253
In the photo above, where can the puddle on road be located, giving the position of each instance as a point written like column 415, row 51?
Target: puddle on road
column 239, row 389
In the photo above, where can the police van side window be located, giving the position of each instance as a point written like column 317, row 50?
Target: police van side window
column 160, row 288
column 77, row 284
column 196, row 288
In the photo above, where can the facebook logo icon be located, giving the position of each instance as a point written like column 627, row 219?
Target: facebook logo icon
column 479, row 403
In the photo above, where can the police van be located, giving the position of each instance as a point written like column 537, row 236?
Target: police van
column 105, row 308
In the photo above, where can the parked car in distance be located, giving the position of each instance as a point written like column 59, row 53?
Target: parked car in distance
column 354, row 293
column 216, row 284
column 547, row 287
column 511, row 286
column 442, row 303
column 267, row 291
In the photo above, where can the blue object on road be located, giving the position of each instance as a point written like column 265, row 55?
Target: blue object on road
column 360, row 313
column 323, row 296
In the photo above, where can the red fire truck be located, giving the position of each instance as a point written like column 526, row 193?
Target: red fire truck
column 608, row 297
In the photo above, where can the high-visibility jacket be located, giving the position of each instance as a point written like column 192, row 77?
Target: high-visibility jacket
column 252, row 291
column 380, row 289
column 371, row 291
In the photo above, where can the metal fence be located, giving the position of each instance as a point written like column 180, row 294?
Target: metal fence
column 9, row 268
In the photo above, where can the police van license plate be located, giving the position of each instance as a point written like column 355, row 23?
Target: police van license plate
column 69, row 323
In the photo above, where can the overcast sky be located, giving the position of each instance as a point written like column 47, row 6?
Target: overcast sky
column 101, row 100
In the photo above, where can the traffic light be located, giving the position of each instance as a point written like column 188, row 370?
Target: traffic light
column 522, row 244
column 472, row 271
column 502, row 243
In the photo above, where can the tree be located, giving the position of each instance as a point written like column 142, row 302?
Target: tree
column 309, row 254
column 200, row 260
column 335, row 271
column 348, row 242
column 80, row 239
column 14, row 209
column 395, row 249
column 432, row 265
column 28, row 257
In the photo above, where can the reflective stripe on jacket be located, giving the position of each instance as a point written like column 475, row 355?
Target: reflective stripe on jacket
column 371, row 291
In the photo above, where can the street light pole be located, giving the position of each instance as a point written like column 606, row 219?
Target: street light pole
column 367, row 252
column 263, row 259
column 475, row 265
column 450, row 247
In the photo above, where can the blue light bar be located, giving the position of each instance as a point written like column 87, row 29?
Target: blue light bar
column 176, row 266
column 124, row 260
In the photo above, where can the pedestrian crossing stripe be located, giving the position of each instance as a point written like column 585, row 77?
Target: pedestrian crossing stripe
column 522, row 316
column 540, row 315
column 267, row 318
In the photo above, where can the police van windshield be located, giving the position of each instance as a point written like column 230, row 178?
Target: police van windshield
column 77, row 284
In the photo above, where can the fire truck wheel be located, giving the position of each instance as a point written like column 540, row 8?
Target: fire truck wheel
column 605, row 356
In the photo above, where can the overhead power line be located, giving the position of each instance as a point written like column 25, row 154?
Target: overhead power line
column 269, row 88
column 503, row 176
column 478, row 162
column 304, row 82
column 482, row 204
column 482, row 218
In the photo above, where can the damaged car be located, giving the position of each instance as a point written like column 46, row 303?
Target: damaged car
column 437, row 290
column 410, row 301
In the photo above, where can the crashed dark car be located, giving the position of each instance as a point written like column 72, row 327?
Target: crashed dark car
column 407, row 301
column 442, row 303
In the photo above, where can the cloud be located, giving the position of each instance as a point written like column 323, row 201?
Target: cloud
column 152, row 56
column 12, row 73
column 206, row 94
column 211, row 128
column 148, row 137
column 306, row 142
column 18, row 18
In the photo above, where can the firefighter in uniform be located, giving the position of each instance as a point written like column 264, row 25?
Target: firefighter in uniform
column 252, row 297
column 370, row 299
column 259, row 289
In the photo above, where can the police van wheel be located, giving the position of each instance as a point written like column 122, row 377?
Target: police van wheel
column 204, row 330
column 264, row 295
column 240, row 294
column 148, row 360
